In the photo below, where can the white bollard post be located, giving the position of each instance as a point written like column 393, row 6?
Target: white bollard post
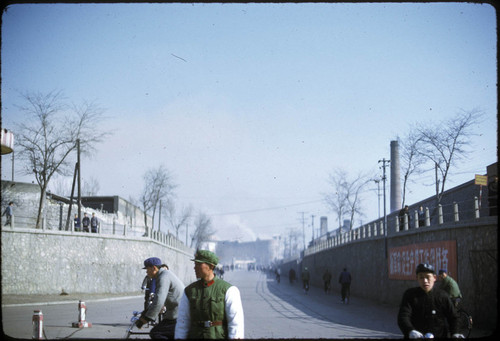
column 440, row 214
column 82, row 312
column 37, row 322
column 427, row 217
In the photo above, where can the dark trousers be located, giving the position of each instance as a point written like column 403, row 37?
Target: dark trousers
column 346, row 290
column 164, row 330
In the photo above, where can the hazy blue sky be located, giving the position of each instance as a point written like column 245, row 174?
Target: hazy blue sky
column 251, row 106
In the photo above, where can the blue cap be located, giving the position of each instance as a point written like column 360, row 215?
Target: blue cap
column 153, row 261
column 424, row 267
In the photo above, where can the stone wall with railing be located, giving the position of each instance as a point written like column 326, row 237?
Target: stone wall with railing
column 56, row 257
column 37, row 261
column 397, row 224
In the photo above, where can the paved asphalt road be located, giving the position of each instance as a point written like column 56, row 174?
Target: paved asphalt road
column 271, row 310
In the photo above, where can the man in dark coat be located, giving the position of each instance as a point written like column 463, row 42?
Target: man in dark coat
column 427, row 309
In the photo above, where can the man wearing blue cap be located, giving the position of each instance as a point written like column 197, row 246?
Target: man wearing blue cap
column 168, row 292
column 210, row 308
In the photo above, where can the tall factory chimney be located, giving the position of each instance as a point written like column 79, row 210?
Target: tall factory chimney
column 395, row 177
column 323, row 226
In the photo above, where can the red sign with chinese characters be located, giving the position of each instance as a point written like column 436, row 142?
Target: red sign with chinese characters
column 403, row 260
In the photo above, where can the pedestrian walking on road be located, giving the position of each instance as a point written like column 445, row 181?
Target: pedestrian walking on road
column 345, row 282
column 167, row 294
column 291, row 276
column 278, row 275
column 327, row 278
column 210, row 308
column 8, row 213
column 427, row 309
column 306, row 276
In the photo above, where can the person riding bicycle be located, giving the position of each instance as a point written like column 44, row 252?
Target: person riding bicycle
column 449, row 285
column 427, row 309
column 305, row 279
column 168, row 292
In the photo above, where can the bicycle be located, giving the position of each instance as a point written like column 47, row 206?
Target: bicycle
column 465, row 322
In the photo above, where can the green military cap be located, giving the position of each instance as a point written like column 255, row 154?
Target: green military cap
column 205, row 256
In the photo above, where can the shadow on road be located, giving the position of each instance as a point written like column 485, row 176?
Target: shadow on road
column 359, row 313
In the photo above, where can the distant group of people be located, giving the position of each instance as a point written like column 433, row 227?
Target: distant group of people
column 405, row 216
column 87, row 224
column 344, row 281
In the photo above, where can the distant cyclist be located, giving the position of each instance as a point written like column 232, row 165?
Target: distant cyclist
column 427, row 309
column 449, row 285
column 305, row 279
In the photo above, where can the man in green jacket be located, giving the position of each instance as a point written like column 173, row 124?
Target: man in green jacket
column 210, row 308
column 449, row 285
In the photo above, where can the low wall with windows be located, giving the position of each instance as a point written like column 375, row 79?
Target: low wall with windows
column 36, row 261
column 368, row 260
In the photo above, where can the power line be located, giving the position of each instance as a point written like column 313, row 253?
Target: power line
column 267, row 209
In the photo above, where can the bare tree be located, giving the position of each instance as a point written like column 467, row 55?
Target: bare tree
column 91, row 187
column 411, row 159
column 158, row 186
column 49, row 135
column 295, row 238
column 203, row 230
column 346, row 195
column 175, row 220
column 354, row 189
column 447, row 142
column 337, row 199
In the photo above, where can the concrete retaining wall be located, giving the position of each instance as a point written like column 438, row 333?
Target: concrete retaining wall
column 477, row 261
column 47, row 262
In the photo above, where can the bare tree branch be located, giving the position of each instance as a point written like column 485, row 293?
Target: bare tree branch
column 158, row 186
column 49, row 135
column 203, row 230
column 447, row 142
column 345, row 197
column 411, row 159
column 177, row 221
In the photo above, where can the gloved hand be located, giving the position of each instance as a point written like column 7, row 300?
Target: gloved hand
column 415, row 334
column 457, row 336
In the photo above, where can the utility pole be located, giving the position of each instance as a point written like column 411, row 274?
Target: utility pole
column 303, row 231
column 312, row 225
column 384, row 161
column 79, row 183
column 13, row 166
column 377, row 181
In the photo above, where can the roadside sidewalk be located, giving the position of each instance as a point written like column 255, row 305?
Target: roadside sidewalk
column 20, row 300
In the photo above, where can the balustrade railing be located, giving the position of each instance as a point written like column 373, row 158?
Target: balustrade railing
column 113, row 228
column 443, row 214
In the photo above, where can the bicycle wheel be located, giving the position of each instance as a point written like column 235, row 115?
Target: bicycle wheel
column 465, row 323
